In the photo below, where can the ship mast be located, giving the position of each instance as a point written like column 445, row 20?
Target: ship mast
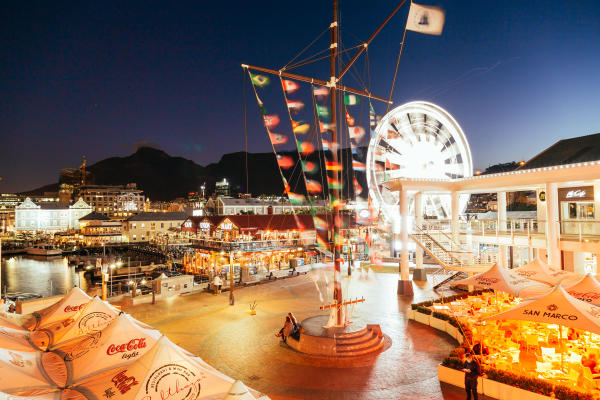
column 334, row 79
column 333, row 47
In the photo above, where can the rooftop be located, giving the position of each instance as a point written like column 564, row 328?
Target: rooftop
column 158, row 216
column 568, row 151
column 94, row 216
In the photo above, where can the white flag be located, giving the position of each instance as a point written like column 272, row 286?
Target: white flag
column 425, row 19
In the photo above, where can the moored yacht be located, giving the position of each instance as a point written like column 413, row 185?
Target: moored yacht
column 44, row 249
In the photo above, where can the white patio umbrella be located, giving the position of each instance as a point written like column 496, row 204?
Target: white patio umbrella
column 556, row 307
column 587, row 289
column 94, row 316
column 238, row 391
column 67, row 307
column 503, row 280
column 121, row 343
column 29, row 373
column 23, row 340
column 538, row 270
column 166, row 369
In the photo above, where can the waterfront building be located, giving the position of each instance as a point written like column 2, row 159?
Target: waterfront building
column 115, row 201
column 257, row 243
column 147, row 226
column 230, row 206
column 564, row 229
column 98, row 229
column 8, row 202
column 49, row 216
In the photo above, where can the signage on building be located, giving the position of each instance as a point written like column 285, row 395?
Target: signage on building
column 205, row 226
column 187, row 224
column 227, row 226
column 576, row 193
column 542, row 196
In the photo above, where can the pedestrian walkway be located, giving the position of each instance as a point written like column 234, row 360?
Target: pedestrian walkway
column 245, row 347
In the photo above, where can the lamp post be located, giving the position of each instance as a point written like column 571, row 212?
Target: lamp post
column 231, row 299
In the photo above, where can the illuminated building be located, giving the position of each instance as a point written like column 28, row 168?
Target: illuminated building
column 146, row 226
column 116, row 202
column 49, row 216
column 222, row 188
column 98, row 229
column 9, row 201
column 231, row 206
column 261, row 243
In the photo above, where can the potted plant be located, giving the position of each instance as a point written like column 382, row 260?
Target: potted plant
column 253, row 308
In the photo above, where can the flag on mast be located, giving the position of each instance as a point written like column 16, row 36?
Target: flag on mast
column 425, row 19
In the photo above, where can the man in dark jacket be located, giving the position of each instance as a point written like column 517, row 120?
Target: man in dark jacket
column 472, row 372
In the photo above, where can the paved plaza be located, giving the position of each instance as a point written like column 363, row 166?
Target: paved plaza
column 245, row 347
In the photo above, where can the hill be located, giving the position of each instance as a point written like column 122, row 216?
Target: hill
column 164, row 177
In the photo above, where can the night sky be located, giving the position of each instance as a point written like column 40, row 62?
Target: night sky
column 100, row 78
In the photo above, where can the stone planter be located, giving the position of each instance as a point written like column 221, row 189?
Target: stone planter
column 422, row 318
column 438, row 324
column 410, row 313
column 451, row 330
column 488, row 387
column 451, row 376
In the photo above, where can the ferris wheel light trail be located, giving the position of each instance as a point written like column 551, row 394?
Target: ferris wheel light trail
column 417, row 140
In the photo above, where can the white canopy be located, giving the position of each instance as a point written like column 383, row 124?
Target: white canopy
column 15, row 321
column 23, row 340
column 23, row 373
column 121, row 343
column 238, row 391
column 93, row 317
column 164, row 370
column 539, row 271
column 587, row 289
column 67, row 307
column 504, row 280
column 556, row 307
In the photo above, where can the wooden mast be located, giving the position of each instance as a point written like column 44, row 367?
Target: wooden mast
column 333, row 48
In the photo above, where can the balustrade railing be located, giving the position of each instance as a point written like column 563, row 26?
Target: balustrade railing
column 235, row 245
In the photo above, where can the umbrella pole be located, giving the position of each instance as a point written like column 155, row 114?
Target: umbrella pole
column 560, row 343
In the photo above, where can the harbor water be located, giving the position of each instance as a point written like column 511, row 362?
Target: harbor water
column 44, row 276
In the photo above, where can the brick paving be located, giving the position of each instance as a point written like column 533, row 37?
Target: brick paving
column 244, row 346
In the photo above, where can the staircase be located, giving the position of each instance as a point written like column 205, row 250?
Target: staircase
column 366, row 341
column 451, row 266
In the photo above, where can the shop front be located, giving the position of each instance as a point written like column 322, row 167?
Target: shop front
column 578, row 211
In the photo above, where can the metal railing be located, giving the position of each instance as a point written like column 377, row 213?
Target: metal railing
column 233, row 245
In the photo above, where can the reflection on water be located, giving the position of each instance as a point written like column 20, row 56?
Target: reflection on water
column 33, row 274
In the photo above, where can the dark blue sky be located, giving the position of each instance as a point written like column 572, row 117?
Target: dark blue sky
column 97, row 78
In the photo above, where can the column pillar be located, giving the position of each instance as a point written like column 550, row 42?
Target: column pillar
column 552, row 228
column 404, row 284
column 419, row 273
column 501, row 201
column 455, row 197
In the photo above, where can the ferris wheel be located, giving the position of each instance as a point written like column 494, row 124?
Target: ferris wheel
column 417, row 140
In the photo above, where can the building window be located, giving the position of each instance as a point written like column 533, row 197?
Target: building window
column 162, row 224
column 143, row 225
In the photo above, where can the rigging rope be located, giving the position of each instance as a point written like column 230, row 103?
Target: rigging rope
column 304, row 49
column 396, row 71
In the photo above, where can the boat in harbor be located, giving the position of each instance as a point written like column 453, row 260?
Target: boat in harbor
column 44, row 249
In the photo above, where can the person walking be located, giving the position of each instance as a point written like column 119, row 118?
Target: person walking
column 217, row 283
column 472, row 371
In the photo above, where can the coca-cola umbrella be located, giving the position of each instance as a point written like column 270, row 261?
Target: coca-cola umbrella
column 30, row 373
column 23, row 340
column 587, row 289
column 122, row 342
column 538, row 270
column 165, row 371
column 92, row 317
column 65, row 308
column 503, row 280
